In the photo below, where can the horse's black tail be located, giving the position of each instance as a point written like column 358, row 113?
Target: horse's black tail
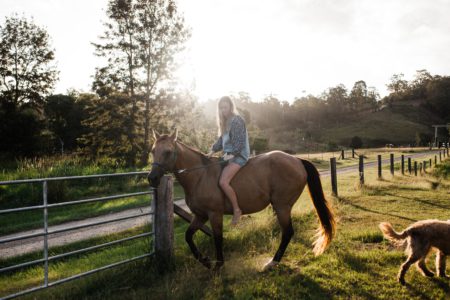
column 327, row 222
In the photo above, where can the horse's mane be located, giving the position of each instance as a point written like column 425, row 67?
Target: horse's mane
column 204, row 158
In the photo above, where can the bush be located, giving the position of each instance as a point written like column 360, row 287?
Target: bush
column 443, row 170
column 260, row 144
column 332, row 146
column 356, row 142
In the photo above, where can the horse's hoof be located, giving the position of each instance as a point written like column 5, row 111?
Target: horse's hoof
column 218, row 266
column 270, row 265
column 206, row 262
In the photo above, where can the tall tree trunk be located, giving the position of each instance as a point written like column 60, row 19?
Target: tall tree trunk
column 132, row 131
column 148, row 91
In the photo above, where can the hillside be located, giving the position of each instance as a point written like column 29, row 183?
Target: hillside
column 398, row 124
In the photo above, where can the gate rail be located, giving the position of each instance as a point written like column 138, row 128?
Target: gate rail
column 45, row 233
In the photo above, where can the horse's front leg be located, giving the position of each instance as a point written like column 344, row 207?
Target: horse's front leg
column 216, row 220
column 195, row 225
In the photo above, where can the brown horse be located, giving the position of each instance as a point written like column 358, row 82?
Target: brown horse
column 275, row 178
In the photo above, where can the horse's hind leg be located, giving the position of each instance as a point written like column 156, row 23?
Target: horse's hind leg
column 195, row 225
column 287, row 231
column 216, row 220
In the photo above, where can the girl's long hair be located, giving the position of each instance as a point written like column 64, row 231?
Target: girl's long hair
column 221, row 121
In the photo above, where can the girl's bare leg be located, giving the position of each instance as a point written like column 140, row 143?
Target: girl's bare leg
column 227, row 174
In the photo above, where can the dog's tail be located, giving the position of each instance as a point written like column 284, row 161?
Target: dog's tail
column 390, row 234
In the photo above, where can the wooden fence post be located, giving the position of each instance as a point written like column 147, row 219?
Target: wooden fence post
column 333, row 174
column 379, row 167
column 430, row 162
column 361, row 170
column 343, row 154
column 424, row 166
column 435, row 160
column 440, row 157
column 403, row 164
column 392, row 164
column 164, row 234
column 415, row 168
column 409, row 165
column 353, row 153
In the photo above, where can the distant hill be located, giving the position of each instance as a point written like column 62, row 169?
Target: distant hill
column 398, row 124
column 332, row 119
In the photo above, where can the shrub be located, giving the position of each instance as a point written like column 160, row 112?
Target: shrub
column 356, row 142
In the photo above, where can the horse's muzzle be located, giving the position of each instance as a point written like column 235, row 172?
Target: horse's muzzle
column 154, row 178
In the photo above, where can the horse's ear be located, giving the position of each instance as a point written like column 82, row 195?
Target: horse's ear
column 156, row 134
column 174, row 135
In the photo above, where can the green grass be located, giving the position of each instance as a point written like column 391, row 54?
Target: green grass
column 359, row 264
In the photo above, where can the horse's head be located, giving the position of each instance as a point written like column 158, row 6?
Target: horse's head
column 164, row 156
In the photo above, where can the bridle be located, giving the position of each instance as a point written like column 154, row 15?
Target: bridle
column 179, row 171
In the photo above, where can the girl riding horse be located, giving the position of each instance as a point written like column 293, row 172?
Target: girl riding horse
column 233, row 140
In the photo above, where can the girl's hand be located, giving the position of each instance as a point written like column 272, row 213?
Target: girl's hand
column 228, row 156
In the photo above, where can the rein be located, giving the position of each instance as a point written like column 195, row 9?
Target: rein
column 180, row 171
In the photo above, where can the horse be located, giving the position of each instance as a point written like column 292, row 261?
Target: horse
column 275, row 178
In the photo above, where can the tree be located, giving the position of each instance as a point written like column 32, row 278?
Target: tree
column 358, row 95
column 397, row 84
column 140, row 42
column 120, row 75
column 108, row 124
column 356, row 142
column 27, row 70
column 372, row 97
column 438, row 96
column 422, row 77
column 337, row 100
column 64, row 114
column 19, row 130
column 162, row 34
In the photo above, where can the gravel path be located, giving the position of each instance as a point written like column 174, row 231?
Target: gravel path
column 35, row 244
column 28, row 245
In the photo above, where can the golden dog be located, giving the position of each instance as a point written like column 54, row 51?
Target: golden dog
column 421, row 237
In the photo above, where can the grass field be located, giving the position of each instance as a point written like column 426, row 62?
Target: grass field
column 31, row 194
column 359, row 264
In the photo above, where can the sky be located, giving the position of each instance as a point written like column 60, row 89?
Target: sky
column 287, row 48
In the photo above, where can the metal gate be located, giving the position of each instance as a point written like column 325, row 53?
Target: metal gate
column 45, row 232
